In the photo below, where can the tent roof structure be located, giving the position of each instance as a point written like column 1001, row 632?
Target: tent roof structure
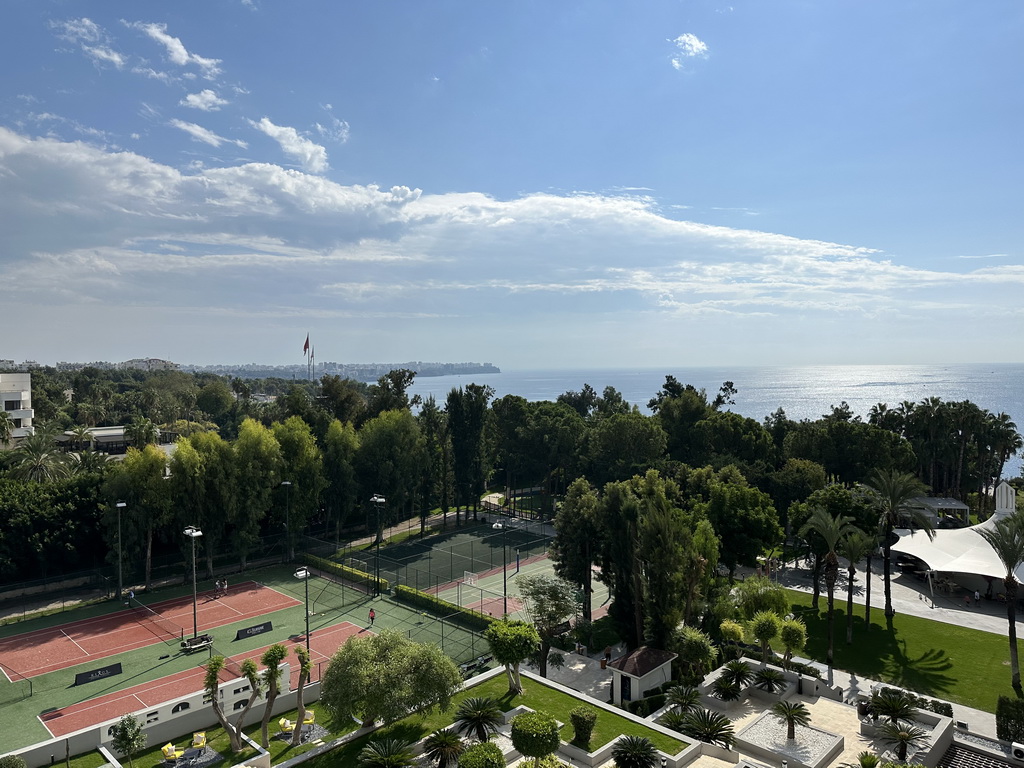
column 962, row 550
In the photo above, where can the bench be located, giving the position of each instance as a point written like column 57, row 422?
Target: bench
column 193, row 644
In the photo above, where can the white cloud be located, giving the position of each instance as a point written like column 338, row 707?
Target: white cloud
column 205, row 135
column 84, row 225
column 310, row 155
column 92, row 39
column 103, row 54
column 206, row 100
column 687, row 46
column 175, row 49
column 335, row 130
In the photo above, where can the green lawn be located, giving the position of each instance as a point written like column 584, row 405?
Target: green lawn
column 946, row 661
column 536, row 695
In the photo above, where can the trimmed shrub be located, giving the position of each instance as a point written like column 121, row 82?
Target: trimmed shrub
column 1010, row 719
column 352, row 575
column 768, row 679
column 12, row 761
column 470, row 619
column 484, row 754
column 535, row 734
column 583, row 719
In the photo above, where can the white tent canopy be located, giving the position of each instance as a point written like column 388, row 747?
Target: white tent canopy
column 963, row 550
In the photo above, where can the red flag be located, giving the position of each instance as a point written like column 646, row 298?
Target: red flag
column 305, row 347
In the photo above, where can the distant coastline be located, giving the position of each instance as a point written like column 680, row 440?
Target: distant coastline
column 357, row 371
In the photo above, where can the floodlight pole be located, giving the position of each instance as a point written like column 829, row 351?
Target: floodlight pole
column 500, row 526
column 120, row 585
column 303, row 573
column 194, row 533
column 378, row 501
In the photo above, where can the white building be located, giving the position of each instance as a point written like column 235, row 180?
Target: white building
column 16, row 401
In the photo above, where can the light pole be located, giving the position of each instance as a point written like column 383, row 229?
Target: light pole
column 378, row 501
column 120, row 586
column 286, row 484
column 499, row 526
column 303, row 573
column 194, row 533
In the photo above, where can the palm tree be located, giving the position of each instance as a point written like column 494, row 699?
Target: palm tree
column 831, row 530
column 444, row 747
column 902, row 735
column 6, row 428
column 38, row 458
column 387, row 753
column 81, row 437
column 768, row 679
column 854, row 546
column 738, row 672
column 792, row 714
column 478, row 717
column 865, row 760
column 894, row 704
column 685, row 698
column 1007, row 541
column 141, row 433
column 674, row 720
column 709, row 727
column 889, row 492
column 634, row 752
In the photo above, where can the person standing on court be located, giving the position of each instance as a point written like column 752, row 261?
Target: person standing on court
column 373, row 616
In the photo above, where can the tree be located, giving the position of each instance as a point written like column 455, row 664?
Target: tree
column 141, row 432
column 902, row 735
column 1007, row 541
column 390, row 460
column 685, row 698
column 341, row 494
column 6, row 428
column 634, row 752
column 535, row 734
column 765, row 627
column 709, row 727
column 793, row 634
column 386, row 753
column 854, row 547
column 211, row 687
column 583, row 719
column 549, row 602
column 127, row 737
column 792, row 714
column 305, row 667
column 890, row 492
column 745, row 520
column 384, row 676
column 302, row 464
column 759, row 593
column 894, row 704
column 444, row 747
column 38, row 458
column 831, row 530
column 576, row 542
column 732, row 633
column 511, row 642
column 478, row 717
column 257, row 474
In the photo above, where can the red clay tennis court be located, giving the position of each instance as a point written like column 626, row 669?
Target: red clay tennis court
column 48, row 650
column 60, row 722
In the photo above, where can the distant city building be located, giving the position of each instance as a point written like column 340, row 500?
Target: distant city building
column 16, row 400
column 149, row 364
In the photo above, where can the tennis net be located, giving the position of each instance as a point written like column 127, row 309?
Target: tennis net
column 165, row 629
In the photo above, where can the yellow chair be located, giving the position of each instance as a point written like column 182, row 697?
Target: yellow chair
column 287, row 726
column 172, row 753
column 199, row 740
column 310, row 717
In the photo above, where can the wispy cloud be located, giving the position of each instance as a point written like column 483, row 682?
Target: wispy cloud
column 687, row 46
column 91, row 38
column 310, row 155
column 206, row 100
column 199, row 133
column 335, row 130
column 175, row 49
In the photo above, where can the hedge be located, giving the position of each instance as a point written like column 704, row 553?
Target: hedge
column 1010, row 719
column 646, row 706
column 465, row 616
column 361, row 578
column 934, row 705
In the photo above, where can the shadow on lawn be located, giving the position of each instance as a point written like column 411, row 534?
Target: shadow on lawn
column 877, row 652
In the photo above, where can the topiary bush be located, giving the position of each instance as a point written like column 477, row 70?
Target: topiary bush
column 483, row 754
column 583, row 719
column 535, row 734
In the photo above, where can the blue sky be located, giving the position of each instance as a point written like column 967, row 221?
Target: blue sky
column 538, row 184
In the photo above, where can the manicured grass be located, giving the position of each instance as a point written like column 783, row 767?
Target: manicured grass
column 947, row 661
column 536, row 695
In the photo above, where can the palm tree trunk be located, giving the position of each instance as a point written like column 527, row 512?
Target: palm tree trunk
column 849, row 604
column 1011, row 618
column 816, row 582
column 867, row 595
column 887, row 578
column 830, row 589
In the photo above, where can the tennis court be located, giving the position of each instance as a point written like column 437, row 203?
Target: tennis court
column 38, row 652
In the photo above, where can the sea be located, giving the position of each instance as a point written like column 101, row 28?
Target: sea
column 804, row 392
